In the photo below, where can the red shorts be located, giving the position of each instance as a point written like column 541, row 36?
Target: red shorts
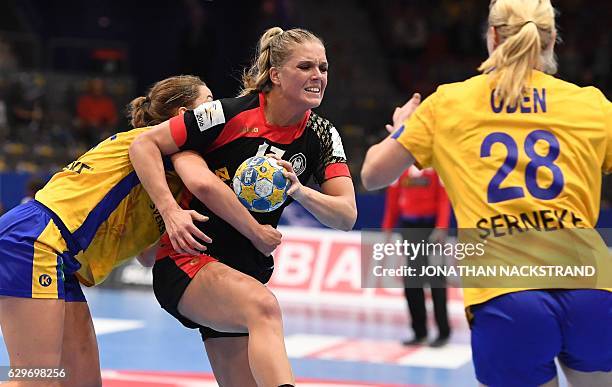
column 189, row 264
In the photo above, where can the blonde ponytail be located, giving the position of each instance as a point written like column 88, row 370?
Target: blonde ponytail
column 257, row 77
column 274, row 47
column 525, row 29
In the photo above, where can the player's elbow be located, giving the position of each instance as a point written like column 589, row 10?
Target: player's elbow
column 135, row 147
column 365, row 179
column 368, row 178
column 199, row 186
column 139, row 145
column 346, row 220
column 350, row 219
column 154, row 140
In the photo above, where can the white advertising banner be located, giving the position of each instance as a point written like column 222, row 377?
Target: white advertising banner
column 323, row 267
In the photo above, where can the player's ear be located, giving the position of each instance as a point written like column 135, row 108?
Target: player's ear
column 496, row 37
column 181, row 110
column 275, row 76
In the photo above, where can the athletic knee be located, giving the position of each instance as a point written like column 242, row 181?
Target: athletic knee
column 265, row 306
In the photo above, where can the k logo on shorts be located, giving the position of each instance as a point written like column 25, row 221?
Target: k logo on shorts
column 45, row 280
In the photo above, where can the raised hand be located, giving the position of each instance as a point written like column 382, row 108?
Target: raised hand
column 296, row 187
column 401, row 114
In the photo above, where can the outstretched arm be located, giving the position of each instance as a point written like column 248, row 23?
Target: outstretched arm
column 387, row 160
column 384, row 163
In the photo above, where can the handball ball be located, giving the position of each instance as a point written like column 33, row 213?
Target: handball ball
column 260, row 184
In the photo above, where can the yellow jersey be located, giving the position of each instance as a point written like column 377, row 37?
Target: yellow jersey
column 103, row 205
column 534, row 165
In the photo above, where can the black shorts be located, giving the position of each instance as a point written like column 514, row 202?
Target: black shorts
column 172, row 275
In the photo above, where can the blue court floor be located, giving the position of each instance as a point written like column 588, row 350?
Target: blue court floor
column 141, row 345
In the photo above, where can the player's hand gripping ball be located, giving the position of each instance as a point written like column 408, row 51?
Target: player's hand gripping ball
column 260, row 184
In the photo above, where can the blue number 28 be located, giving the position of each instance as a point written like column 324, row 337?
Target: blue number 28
column 496, row 194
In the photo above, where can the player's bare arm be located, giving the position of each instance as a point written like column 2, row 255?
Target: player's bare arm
column 385, row 161
column 146, row 157
column 334, row 207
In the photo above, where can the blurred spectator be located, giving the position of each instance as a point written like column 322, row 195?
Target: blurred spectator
column 3, row 109
column 96, row 112
column 8, row 62
column 25, row 104
column 438, row 41
column 418, row 205
column 272, row 13
column 409, row 31
column 197, row 45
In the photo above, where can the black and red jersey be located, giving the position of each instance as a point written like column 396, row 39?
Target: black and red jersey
column 228, row 131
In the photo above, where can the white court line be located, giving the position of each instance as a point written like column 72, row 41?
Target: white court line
column 451, row 356
column 104, row 326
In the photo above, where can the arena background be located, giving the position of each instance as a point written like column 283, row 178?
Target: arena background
column 52, row 53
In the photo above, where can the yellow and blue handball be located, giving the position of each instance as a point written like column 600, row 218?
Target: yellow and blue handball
column 260, row 184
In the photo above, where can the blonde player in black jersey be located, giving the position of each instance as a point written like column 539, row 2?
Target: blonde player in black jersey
column 222, row 292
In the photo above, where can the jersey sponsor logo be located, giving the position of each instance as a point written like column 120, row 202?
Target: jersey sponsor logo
column 45, row 280
column 77, row 166
column 209, row 114
column 250, row 130
column 337, row 148
column 222, row 173
column 158, row 218
column 298, row 162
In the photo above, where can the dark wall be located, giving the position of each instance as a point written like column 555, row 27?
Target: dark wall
column 212, row 39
